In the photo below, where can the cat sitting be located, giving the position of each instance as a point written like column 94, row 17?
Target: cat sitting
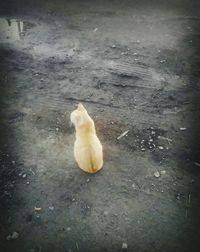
column 88, row 150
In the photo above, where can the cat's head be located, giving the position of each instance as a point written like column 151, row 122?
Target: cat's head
column 80, row 107
column 79, row 115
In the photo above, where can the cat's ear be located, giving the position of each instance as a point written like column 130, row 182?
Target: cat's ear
column 80, row 107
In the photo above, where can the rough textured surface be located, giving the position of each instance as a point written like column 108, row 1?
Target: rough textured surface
column 135, row 66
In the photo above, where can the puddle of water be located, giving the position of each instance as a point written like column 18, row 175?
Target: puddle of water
column 12, row 29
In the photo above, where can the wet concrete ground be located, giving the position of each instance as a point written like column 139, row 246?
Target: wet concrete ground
column 135, row 66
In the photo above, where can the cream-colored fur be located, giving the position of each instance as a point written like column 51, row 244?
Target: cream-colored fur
column 88, row 150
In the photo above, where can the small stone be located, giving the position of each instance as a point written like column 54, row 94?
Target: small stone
column 183, row 128
column 113, row 46
column 14, row 236
column 156, row 174
column 124, row 246
column 68, row 229
column 51, row 208
column 9, row 237
column 13, row 162
column 163, row 172
column 27, row 182
column 95, row 30
column 24, row 175
column 73, row 199
column 57, row 129
column 38, row 208
column 105, row 213
column 124, row 53
column 143, row 149
column 133, row 185
column 41, row 79
column 161, row 147
column 88, row 180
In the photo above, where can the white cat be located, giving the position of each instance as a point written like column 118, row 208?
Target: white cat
column 88, row 150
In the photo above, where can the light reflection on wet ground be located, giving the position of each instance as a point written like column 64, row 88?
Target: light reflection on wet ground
column 12, row 29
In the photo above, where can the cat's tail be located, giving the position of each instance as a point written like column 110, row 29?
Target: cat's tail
column 93, row 169
column 95, row 165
